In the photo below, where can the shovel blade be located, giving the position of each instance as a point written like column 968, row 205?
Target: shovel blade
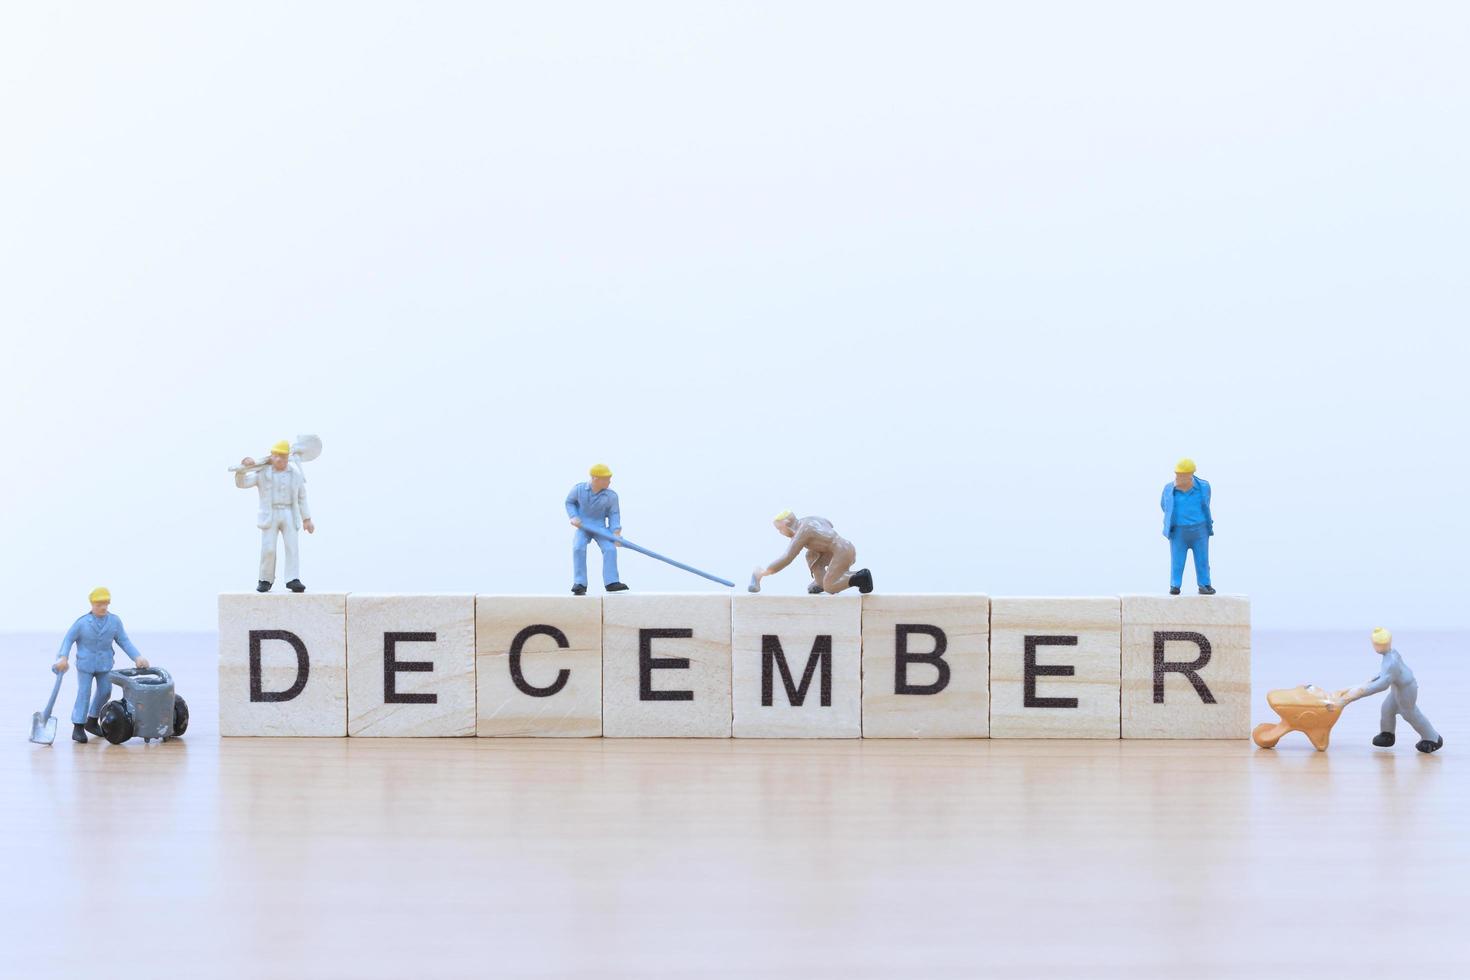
column 43, row 730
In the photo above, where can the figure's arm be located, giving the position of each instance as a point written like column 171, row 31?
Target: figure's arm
column 615, row 519
column 127, row 646
column 66, row 645
column 301, row 505
column 245, row 479
column 797, row 543
column 573, row 511
column 1377, row 684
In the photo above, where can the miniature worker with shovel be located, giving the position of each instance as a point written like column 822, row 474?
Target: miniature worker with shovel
column 283, row 509
column 592, row 508
column 94, row 634
column 828, row 555
column 1395, row 677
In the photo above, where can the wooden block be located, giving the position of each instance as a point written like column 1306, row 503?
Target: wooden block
column 666, row 665
column 410, row 665
column 797, row 666
column 1054, row 667
column 1186, row 666
column 538, row 665
column 283, row 664
column 907, row 691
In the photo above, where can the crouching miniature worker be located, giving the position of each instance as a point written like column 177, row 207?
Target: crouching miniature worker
column 1395, row 677
column 828, row 555
column 1188, row 526
column 595, row 504
column 283, row 511
column 94, row 634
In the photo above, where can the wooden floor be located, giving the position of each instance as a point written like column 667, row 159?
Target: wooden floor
column 458, row 858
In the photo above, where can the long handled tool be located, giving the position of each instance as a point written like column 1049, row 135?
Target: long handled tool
column 605, row 533
column 304, row 450
column 43, row 726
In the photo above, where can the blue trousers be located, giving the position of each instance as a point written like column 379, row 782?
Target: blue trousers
column 579, row 558
column 1191, row 537
column 80, row 711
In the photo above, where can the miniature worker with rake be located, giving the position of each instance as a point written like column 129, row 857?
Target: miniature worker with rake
column 828, row 555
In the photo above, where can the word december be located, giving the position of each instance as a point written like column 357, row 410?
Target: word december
column 744, row 666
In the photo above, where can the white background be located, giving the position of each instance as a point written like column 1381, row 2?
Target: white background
column 964, row 279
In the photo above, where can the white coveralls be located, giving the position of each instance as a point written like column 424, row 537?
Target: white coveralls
column 282, row 509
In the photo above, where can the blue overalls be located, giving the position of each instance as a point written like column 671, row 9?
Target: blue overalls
column 597, row 510
column 94, row 637
column 1188, row 526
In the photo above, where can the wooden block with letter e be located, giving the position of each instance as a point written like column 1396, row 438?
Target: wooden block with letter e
column 926, row 666
column 538, row 665
column 282, row 664
column 797, row 666
column 666, row 665
column 410, row 665
column 1054, row 667
column 1186, row 666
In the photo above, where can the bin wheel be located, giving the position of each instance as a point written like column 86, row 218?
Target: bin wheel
column 116, row 722
column 181, row 716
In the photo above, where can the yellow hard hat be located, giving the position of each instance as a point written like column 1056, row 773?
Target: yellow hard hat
column 599, row 469
column 782, row 516
column 99, row 594
column 1185, row 465
column 1383, row 636
column 282, row 448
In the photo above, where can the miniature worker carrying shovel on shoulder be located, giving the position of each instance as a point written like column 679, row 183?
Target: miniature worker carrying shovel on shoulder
column 283, row 508
column 828, row 555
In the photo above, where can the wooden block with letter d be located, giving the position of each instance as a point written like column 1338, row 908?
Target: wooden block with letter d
column 666, row 665
column 538, row 665
column 1054, row 667
column 926, row 666
column 1186, row 666
column 410, row 665
column 283, row 664
column 797, row 666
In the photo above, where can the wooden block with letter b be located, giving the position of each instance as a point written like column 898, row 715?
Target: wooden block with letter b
column 538, row 665
column 410, row 665
column 797, row 666
column 926, row 665
column 1054, row 667
column 1186, row 666
column 666, row 665
column 283, row 664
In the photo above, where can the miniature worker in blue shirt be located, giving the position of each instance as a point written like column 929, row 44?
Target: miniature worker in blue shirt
column 595, row 504
column 1188, row 526
column 94, row 634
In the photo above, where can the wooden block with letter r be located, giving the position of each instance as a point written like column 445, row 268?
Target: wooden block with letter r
column 1054, row 667
column 797, row 666
column 666, row 665
column 410, row 665
column 283, row 664
column 538, row 665
column 1186, row 666
column 926, row 666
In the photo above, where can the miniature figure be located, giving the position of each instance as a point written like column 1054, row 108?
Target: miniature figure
column 1307, row 709
column 595, row 503
column 1397, row 679
column 283, row 509
column 94, row 634
column 828, row 556
column 1188, row 526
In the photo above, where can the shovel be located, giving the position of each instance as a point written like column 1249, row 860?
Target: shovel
column 43, row 726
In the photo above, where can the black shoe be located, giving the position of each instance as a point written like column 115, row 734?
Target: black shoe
column 815, row 589
column 1174, row 590
column 615, row 587
column 1425, row 745
column 1383, row 739
column 579, row 590
column 1206, row 590
column 262, row 586
column 91, row 726
column 295, row 585
column 78, row 734
column 863, row 579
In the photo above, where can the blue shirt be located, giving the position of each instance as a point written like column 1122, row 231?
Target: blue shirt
column 1199, row 497
column 1189, row 506
column 94, row 638
column 597, row 509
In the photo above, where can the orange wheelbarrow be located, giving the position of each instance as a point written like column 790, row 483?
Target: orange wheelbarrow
column 1307, row 709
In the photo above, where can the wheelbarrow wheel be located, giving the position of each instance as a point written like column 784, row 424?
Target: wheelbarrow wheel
column 116, row 722
column 181, row 716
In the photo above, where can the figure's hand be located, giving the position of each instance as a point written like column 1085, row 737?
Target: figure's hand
column 576, row 522
column 618, row 534
column 310, row 527
column 247, row 461
column 60, row 666
column 141, row 663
